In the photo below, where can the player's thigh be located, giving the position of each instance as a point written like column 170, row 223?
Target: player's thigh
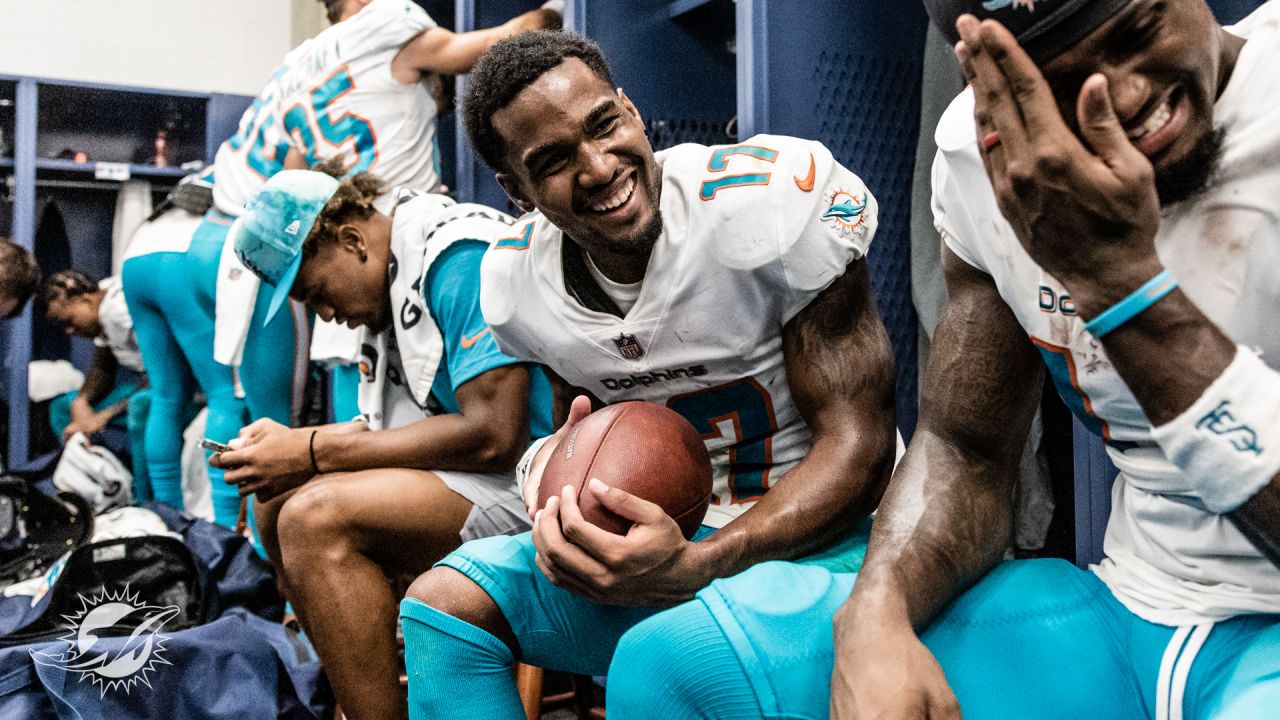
column 554, row 628
column 1036, row 638
column 775, row 618
column 168, row 371
column 1237, row 672
column 404, row 519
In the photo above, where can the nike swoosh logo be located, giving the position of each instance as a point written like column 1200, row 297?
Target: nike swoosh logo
column 469, row 341
column 807, row 183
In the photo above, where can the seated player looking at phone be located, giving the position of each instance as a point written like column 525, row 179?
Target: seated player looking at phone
column 727, row 283
column 346, row 510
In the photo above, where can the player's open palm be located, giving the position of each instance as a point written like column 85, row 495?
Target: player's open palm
column 890, row 676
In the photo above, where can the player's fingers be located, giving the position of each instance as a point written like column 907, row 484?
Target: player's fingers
column 1102, row 129
column 597, row 542
column 1028, row 90
column 562, row 580
column 994, row 108
column 563, row 556
column 637, row 510
column 580, row 408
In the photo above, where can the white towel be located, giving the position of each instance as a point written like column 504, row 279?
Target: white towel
column 47, row 379
column 237, row 293
column 335, row 344
column 133, row 207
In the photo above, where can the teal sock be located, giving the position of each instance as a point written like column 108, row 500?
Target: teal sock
column 455, row 668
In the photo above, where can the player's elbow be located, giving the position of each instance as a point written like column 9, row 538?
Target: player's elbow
column 500, row 446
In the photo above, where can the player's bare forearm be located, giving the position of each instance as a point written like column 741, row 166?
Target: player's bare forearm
column 946, row 517
column 442, row 51
column 1168, row 356
column 488, row 433
column 840, row 372
column 101, row 376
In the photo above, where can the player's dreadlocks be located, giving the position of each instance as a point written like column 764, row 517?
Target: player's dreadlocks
column 510, row 66
column 66, row 285
column 353, row 200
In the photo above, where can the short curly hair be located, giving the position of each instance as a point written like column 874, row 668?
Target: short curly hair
column 353, row 200
column 510, row 66
column 19, row 274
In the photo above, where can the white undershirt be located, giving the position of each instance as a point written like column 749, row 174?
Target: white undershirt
column 622, row 294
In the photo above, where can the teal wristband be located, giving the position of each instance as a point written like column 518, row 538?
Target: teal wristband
column 1137, row 301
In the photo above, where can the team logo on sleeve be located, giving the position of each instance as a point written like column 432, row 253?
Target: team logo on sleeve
column 844, row 212
column 368, row 361
column 628, row 346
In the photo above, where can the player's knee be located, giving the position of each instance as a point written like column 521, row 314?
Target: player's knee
column 665, row 661
column 451, row 592
column 455, row 594
column 314, row 519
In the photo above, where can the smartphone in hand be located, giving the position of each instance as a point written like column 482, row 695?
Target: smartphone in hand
column 214, row 445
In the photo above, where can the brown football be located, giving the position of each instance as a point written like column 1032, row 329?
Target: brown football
column 645, row 449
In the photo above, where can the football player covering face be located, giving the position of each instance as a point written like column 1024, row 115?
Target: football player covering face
column 576, row 149
column 1085, row 153
column 1164, row 72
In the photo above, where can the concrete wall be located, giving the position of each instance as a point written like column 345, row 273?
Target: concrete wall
column 226, row 46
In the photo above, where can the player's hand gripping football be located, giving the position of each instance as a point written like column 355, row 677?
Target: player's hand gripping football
column 1086, row 212
column 651, row 566
column 580, row 408
column 884, row 672
column 266, row 459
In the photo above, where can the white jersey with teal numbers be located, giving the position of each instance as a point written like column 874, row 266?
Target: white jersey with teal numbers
column 340, row 98
column 257, row 150
column 751, row 234
column 1169, row 559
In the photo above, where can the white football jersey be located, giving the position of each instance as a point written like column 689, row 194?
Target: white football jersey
column 117, row 326
column 1169, row 559
column 751, row 234
column 340, row 98
column 257, row 150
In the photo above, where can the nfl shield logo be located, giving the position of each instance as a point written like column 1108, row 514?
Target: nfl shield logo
column 628, row 346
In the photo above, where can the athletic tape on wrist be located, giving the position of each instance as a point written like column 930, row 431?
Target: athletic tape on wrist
column 526, row 461
column 1133, row 304
column 1228, row 441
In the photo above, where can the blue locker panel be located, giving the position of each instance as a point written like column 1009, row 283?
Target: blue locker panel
column 475, row 181
column 828, row 74
column 675, row 62
column 221, row 120
column 19, row 329
column 1094, row 470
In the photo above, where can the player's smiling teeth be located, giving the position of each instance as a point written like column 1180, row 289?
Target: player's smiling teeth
column 1158, row 119
column 618, row 198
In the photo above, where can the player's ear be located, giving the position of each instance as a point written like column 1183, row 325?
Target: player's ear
column 351, row 239
column 509, row 184
column 626, row 103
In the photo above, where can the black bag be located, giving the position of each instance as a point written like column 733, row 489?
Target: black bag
column 36, row 528
column 150, row 570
